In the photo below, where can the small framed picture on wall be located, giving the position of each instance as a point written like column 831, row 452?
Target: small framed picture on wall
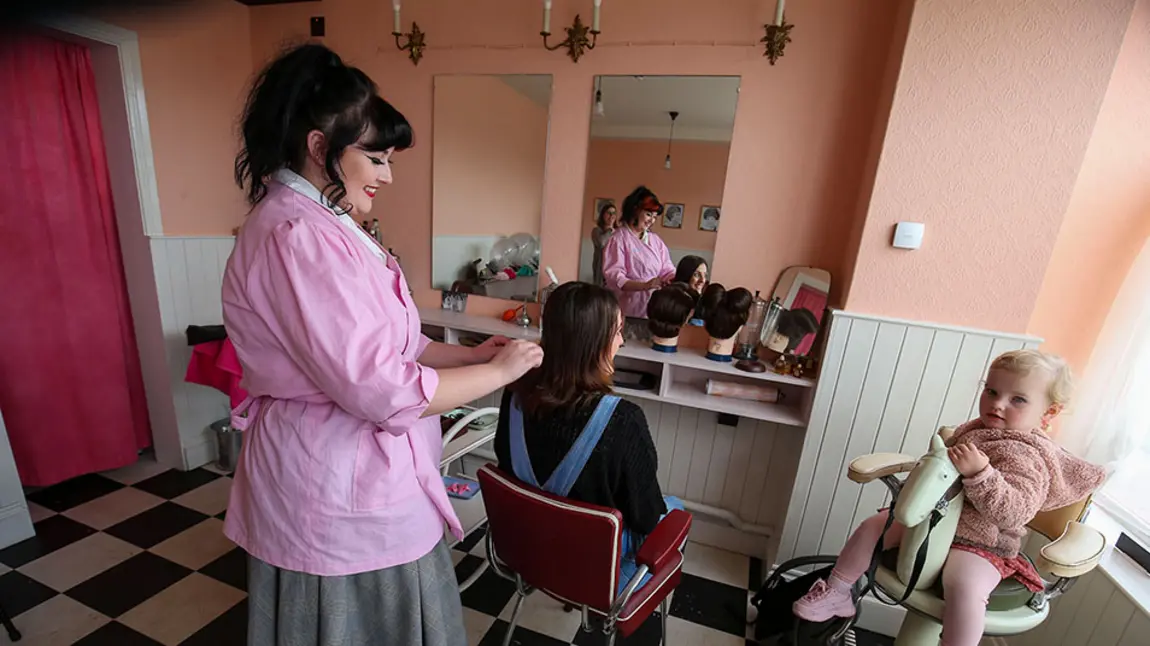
column 600, row 204
column 709, row 218
column 672, row 215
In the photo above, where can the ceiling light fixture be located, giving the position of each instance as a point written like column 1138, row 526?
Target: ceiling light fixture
column 670, row 138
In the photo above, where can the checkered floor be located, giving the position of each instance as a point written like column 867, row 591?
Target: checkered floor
column 137, row 557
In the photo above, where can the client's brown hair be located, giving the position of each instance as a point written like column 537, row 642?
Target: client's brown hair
column 669, row 309
column 581, row 322
column 724, row 312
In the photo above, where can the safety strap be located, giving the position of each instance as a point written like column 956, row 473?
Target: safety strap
column 919, row 559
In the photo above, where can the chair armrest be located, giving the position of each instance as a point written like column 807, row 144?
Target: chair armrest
column 663, row 544
column 867, row 468
column 1073, row 554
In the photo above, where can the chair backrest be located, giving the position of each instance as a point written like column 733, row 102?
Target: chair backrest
column 1053, row 522
column 566, row 548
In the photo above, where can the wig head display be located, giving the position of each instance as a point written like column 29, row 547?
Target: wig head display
column 667, row 312
column 723, row 313
column 792, row 328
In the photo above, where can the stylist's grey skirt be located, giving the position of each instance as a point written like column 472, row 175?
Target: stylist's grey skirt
column 415, row 604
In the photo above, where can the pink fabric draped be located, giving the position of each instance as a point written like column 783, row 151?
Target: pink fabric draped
column 71, row 390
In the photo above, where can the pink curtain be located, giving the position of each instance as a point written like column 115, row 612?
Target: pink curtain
column 811, row 299
column 71, row 392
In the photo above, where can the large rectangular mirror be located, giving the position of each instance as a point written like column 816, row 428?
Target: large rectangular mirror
column 671, row 134
column 489, row 152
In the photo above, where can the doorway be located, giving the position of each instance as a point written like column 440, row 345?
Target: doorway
column 71, row 386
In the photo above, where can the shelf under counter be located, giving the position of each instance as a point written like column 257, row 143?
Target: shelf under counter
column 684, row 391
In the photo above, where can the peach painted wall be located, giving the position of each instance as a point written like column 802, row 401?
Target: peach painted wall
column 991, row 118
column 800, row 135
column 698, row 170
column 196, row 63
column 489, row 148
column 1109, row 216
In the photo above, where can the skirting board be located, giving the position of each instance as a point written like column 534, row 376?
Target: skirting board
column 197, row 455
column 15, row 524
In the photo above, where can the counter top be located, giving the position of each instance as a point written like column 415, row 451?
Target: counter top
column 685, row 358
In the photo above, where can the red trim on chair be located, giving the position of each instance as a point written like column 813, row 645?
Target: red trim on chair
column 663, row 544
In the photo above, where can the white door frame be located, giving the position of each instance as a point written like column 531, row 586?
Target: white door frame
column 131, row 167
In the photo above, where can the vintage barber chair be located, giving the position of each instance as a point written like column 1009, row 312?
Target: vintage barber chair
column 1068, row 549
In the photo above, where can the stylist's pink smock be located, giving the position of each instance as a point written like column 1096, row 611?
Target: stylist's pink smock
column 626, row 258
column 339, row 473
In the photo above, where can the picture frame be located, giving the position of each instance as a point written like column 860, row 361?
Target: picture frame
column 673, row 215
column 600, row 202
column 453, row 301
column 709, row 218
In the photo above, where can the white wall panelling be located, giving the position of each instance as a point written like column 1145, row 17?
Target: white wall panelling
column 1094, row 612
column 886, row 385
column 189, row 274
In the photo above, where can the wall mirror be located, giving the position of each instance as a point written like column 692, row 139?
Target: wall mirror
column 489, row 152
column 671, row 134
column 802, row 293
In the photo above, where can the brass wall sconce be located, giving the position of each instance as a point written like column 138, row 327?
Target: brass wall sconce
column 778, row 34
column 415, row 38
column 577, row 41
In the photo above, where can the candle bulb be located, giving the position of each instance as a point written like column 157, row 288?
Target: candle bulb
column 779, row 6
column 547, row 16
column 595, row 16
column 398, row 29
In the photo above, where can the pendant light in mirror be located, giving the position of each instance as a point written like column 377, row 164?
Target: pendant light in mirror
column 670, row 138
column 598, row 96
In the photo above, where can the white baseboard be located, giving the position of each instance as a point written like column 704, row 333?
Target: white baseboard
column 15, row 524
column 199, row 454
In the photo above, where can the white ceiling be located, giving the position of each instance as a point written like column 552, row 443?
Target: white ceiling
column 636, row 107
column 536, row 87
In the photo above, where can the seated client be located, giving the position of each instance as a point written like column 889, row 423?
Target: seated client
column 562, row 430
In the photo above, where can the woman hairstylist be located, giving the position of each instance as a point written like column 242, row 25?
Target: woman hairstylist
column 636, row 262
column 337, row 498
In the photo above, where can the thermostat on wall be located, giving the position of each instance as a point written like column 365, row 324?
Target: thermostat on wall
column 908, row 235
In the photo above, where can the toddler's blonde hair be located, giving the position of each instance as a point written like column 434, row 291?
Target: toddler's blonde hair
column 1061, row 385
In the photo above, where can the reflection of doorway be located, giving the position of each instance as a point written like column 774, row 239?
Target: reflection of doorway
column 70, row 379
column 815, row 301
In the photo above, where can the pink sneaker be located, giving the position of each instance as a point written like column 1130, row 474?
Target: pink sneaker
column 824, row 602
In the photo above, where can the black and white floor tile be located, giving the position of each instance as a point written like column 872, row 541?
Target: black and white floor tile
column 137, row 557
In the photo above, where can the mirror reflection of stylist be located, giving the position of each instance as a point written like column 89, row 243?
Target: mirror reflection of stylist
column 636, row 261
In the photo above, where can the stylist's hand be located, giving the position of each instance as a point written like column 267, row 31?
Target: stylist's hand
column 516, row 358
column 487, row 350
column 655, row 283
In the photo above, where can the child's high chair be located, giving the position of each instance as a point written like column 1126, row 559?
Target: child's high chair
column 929, row 502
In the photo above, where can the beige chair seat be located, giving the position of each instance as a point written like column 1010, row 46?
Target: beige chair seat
column 1006, row 613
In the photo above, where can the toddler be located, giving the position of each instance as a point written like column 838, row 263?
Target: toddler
column 1011, row 470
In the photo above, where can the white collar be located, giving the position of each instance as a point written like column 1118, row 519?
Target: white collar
column 299, row 184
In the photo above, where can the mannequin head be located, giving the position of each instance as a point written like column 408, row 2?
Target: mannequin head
column 724, row 312
column 667, row 312
column 793, row 326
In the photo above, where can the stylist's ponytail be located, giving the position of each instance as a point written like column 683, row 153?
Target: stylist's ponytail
column 310, row 88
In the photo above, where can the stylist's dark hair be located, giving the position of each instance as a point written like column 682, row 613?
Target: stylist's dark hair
column 600, row 219
column 686, row 268
column 640, row 199
column 669, row 308
column 310, row 88
column 724, row 312
column 581, row 323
